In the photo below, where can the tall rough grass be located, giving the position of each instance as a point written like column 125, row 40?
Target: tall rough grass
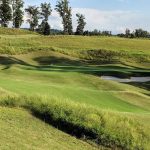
column 106, row 128
column 94, row 49
column 11, row 31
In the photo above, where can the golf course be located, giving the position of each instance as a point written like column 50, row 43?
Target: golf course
column 53, row 96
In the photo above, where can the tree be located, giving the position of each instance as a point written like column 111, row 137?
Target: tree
column 127, row 33
column 141, row 33
column 64, row 11
column 81, row 24
column 5, row 12
column 86, row 33
column 33, row 16
column 96, row 32
column 18, row 13
column 46, row 29
column 69, row 21
column 106, row 33
column 137, row 33
column 46, row 11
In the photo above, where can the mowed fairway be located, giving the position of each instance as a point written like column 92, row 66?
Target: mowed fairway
column 61, row 68
column 74, row 86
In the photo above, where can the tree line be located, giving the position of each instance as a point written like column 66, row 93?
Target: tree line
column 137, row 33
column 96, row 32
column 13, row 11
column 38, row 19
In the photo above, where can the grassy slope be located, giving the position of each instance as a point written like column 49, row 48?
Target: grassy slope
column 10, row 31
column 86, row 121
column 109, row 49
column 26, row 132
column 79, row 80
column 17, row 39
column 81, row 43
column 82, row 88
column 52, row 74
column 63, row 83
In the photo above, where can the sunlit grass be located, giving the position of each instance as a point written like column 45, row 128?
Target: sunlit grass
column 57, row 79
column 103, row 127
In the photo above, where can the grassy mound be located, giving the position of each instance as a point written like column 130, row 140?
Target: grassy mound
column 26, row 132
column 11, row 31
column 106, row 128
column 92, row 49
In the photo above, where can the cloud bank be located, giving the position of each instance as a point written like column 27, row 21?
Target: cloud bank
column 116, row 21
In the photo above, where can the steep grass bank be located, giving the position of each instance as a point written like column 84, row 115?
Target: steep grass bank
column 19, row 129
column 110, row 129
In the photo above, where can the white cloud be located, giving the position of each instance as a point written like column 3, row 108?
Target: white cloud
column 116, row 21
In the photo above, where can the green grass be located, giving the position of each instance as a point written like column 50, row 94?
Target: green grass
column 83, row 88
column 66, row 84
column 85, row 121
column 73, row 43
column 108, row 49
column 21, row 130
column 57, row 78
column 11, row 31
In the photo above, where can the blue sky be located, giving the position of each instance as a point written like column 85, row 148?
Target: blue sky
column 115, row 15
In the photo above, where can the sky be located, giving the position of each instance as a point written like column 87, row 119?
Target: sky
column 113, row 15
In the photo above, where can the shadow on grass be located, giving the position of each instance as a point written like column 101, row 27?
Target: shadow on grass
column 70, row 128
column 145, row 85
column 62, row 64
column 91, row 67
column 8, row 61
column 50, row 60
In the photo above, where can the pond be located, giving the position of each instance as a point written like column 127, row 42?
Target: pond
column 127, row 80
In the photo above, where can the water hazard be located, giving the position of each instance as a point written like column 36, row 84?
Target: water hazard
column 127, row 80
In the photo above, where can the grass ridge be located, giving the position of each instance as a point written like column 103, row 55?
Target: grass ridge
column 109, row 129
column 13, row 31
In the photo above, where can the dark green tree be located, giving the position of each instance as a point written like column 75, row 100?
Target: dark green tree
column 18, row 13
column 127, row 33
column 46, row 29
column 69, row 21
column 81, row 24
column 46, row 11
column 33, row 16
column 5, row 12
column 64, row 11
column 141, row 33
